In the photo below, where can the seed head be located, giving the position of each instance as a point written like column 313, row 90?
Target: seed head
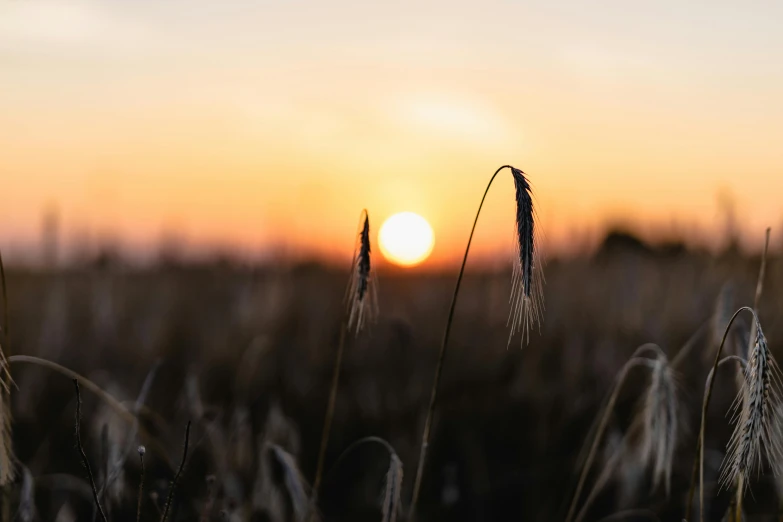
column 754, row 408
column 659, row 420
column 362, row 303
column 526, row 288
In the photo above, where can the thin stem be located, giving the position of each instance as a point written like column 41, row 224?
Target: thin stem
column 81, row 450
column 425, row 437
column 338, row 362
column 759, row 287
column 632, row 362
column 176, row 477
column 710, row 377
column 707, row 396
column 762, row 271
column 141, row 487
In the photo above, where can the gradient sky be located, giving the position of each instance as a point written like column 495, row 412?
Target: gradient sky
column 257, row 125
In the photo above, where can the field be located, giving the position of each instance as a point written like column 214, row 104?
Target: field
column 246, row 354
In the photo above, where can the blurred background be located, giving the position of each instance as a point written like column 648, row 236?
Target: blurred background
column 180, row 188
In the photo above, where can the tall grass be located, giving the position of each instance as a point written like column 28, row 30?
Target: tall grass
column 753, row 420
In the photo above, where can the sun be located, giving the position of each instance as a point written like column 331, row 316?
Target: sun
column 406, row 239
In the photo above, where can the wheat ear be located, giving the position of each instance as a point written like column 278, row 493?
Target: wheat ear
column 527, row 280
column 523, row 308
column 739, row 494
column 753, row 415
column 360, row 294
column 705, row 405
column 635, row 360
column 660, row 422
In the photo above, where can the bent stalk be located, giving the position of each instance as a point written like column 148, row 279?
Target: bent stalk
column 705, row 405
column 425, row 438
column 632, row 362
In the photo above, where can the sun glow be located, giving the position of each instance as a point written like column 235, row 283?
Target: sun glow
column 406, row 239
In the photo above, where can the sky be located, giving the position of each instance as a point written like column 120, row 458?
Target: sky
column 262, row 126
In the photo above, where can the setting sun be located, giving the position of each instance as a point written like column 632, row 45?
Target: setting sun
column 406, row 239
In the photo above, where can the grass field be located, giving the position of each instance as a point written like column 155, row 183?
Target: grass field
column 246, row 354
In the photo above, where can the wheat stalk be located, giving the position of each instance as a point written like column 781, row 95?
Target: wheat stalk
column 666, row 427
column 700, row 441
column 705, row 405
column 740, row 490
column 525, row 298
column 362, row 309
column 753, row 415
column 590, row 446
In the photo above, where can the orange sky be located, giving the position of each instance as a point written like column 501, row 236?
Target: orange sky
column 259, row 124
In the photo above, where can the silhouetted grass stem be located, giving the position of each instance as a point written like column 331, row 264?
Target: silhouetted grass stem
column 83, row 454
column 425, row 438
column 176, row 477
column 329, row 414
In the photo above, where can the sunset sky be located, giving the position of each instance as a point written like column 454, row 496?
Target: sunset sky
column 258, row 125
